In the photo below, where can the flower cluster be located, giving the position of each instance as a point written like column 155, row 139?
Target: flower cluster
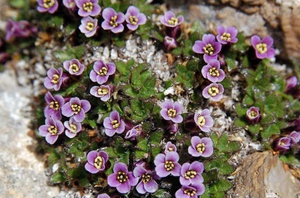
column 284, row 143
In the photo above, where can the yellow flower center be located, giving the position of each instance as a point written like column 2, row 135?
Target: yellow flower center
column 189, row 192
column 252, row 114
column 208, row 49
column 226, row 36
column 74, row 67
column 75, row 108
column 200, row 147
column 73, row 128
column 261, row 48
column 171, row 113
column 54, row 105
column 170, row 149
column 173, row 21
column 146, row 178
column 98, row 162
column 55, row 79
column 102, row 91
column 113, row 21
column 115, row 124
column 133, row 20
column 88, row 6
column 48, row 3
column 201, row 121
column 214, row 72
column 102, row 71
column 122, row 177
column 90, row 26
column 213, row 91
column 169, row 165
column 52, row 130
column 190, row 174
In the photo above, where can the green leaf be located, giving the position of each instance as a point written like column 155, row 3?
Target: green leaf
column 140, row 154
column 105, row 3
column 222, row 142
column 240, row 45
column 143, row 145
column 220, row 185
column 193, row 64
column 148, row 90
column 18, row 3
column 124, row 67
column 130, row 91
column 270, row 130
column 156, row 137
column 290, row 159
column 53, row 158
column 241, row 111
column 162, row 193
column 254, row 129
column 233, row 146
column 58, row 177
column 230, row 60
column 138, row 77
column 248, row 100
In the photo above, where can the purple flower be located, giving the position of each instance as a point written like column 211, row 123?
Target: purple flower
column 173, row 128
column 74, row 67
column 253, row 115
column 112, row 20
column 135, row 131
column 113, row 124
column 134, row 18
column 88, row 7
column 227, row 35
column 213, row 72
column 88, row 26
column 208, row 46
column 103, row 92
column 201, row 147
column 170, row 43
column 282, row 144
column 295, row 137
column 101, row 71
column 214, row 91
column 51, row 130
column 263, row 48
column 171, row 111
column 96, row 161
column 121, row 178
column 70, row 4
column 192, row 191
column 170, row 147
column 47, row 6
column 191, row 173
column 18, row 29
column 103, row 195
column 203, row 120
column 166, row 164
column 76, row 108
column 170, row 20
column 147, row 183
column 72, row 127
column 54, row 104
column 54, row 79
column 291, row 83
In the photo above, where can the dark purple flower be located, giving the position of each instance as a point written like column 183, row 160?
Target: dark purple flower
column 96, row 161
column 51, row 130
column 173, row 128
column 112, row 20
column 208, row 46
column 76, row 108
column 135, row 131
column 253, row 115
column 166, row 164
column 18, row 29
column 101, row 71
column 134, row 18
column 54, row 79
column 103, row 195
column 263, row 48
column 214, row 91
column 74, row 67
column 192, row 191
column 103, row 92
column 88, row 26
column 170, row 43
column 213, row 72
column 295, row 137
column 121, row 178
column 204, row 120
column 201, row 147
column 170, row 20
column 47, row 6
column 72, row 127
column 191, row 173
column 147, row 183
column 171, row 111
column 70, row 4
column 54, row 104
column 291, row 83
column 170, row 147
column 88, row 7
column 227, row 35
column 113, row 124
column 282, row 144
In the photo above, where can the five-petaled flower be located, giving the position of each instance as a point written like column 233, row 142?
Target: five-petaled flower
column 72, row 127
column 171, row 111
column 170, row 20
column 54, row 79
column 74, row 67
column 88, row 26
column 96, row 161
column 134, row 18
column 191, row 173
column 121, row 178
column 166, row 164
column 147, row 183
column 54, row 104
column 76, row 108
column 208, row 46
column 51, row 129
column 101, row 72
column 192, row 191
column 135, row 131
column 88, row 7
column 47, row 6
column 213, row 72
column 204, row 120
column 263, row 47
column 113, row 124
column 214, row 91
column 113, row 20
column 103, row 92
column 253, row 115
column 201, row 147
column 227, row 35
